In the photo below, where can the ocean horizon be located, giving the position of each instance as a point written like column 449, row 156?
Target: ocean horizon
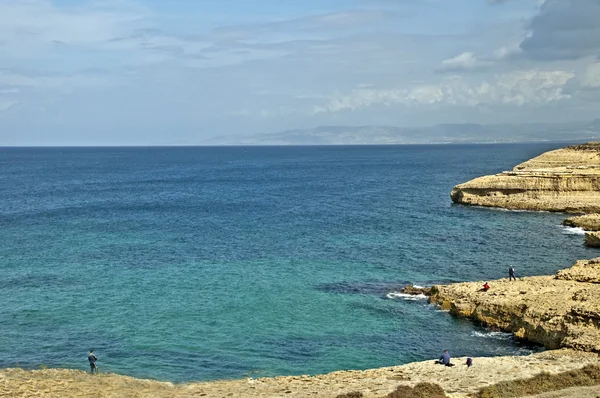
column 193, row 263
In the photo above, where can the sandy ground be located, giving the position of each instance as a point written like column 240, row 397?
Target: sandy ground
column 457, row 381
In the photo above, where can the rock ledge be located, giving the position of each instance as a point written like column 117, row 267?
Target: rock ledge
column 565, row 180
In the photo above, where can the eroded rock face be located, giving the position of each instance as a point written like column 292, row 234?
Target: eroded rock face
column 565, row 179
column 555, row 311
column 589, row 222
column 592, row 239
column 583, row 271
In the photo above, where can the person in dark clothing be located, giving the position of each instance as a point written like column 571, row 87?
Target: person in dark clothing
column 92, row 358
column 445, row 359
column 511, row 274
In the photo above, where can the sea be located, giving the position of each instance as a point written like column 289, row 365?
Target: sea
column 207, row 263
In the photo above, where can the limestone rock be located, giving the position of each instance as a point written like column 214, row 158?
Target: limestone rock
column 592, row 239
column 589, row 222
column 565, row 179
column 410, row 289
column 583, row 271
column 560, row 311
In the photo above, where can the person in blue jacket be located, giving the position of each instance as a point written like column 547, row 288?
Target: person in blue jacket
column 445, row 358
column 92, row 358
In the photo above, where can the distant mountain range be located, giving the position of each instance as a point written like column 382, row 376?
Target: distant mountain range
column 439, row 134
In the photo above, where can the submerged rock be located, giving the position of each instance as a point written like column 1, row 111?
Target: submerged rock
column 412, row 290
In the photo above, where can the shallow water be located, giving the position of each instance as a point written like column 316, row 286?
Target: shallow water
column 209, row 263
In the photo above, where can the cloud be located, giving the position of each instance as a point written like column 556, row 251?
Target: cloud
column 466, row 61
column 6, row 104
column 309, row 24
column 506, row 52
column 591, row 78
column 471, row 62
column 516, row 88
column 564, row 29
column 198, row 67
column 40, row 23
column 17, row 80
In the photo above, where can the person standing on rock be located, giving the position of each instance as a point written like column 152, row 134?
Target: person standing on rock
column 92, row 358
column 511, row 273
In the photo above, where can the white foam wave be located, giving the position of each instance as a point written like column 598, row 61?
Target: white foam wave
column 492, row 335
column 573, row 231
column 512, row 210
column 404, row 296
column 418, row 287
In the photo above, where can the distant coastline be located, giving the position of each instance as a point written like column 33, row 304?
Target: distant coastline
column 467, row 133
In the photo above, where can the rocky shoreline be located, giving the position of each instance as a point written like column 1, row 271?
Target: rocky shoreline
column 561, row 311
column 557, row 311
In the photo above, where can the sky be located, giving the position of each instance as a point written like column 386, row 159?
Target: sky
column 182, row 72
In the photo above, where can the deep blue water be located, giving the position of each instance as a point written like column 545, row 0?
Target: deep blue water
column 209, row 263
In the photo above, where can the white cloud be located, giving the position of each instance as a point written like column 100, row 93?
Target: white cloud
column 464, row 61
column 591, row 77
column 505, row 52
column 517, row 88
column 469, row 61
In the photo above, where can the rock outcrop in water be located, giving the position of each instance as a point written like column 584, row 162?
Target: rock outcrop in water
column 592, row 239
column 415, row 291
column 555, row 311
column 590, row 223
column 565, row 179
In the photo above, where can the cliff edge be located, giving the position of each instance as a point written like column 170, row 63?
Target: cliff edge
column 566, row 180
column 560, row 311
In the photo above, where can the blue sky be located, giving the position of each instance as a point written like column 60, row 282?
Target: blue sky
column 149, row 72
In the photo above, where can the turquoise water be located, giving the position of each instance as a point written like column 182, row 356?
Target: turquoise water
column 209, row 263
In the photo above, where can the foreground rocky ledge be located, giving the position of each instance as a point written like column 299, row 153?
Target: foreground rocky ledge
column 374, row 383
column 566, row 180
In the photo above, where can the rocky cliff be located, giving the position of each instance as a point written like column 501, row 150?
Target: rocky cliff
column 565, row 179
column 555, row 311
